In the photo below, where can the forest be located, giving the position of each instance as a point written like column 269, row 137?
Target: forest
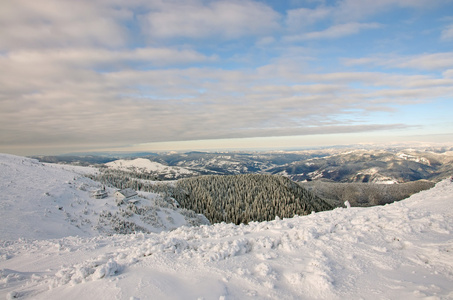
column 227, row 198
column 247, row 197
column 365, row 194
column 257, row 197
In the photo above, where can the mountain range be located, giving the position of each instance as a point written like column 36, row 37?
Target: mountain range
column 340, row 164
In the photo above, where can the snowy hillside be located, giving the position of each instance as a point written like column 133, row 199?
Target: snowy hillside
column 147, row 166
column 398, row 251
column 42, row 201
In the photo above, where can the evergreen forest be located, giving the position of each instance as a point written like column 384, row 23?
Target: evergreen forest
column 245, row 198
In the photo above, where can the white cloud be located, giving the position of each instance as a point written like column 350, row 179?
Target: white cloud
column 431, row 61
column 86, row 73
column 351, row 10
column 45, row 23
column 334, row 32
column 223, row 19
column 265, row 41
column 302, row 17
column 447, row 33
column 98, row 57
column 448, row 73
column 62, row 105
column 435, row 61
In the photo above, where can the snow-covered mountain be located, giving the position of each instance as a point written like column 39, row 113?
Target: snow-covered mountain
column 373, row 164
column 146, row 166
column 41, row 201
column 399, row 251
column 387, row 166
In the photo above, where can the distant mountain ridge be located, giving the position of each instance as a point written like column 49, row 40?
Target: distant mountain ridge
column 390, row 165
column 146, row 166
column 371, row 166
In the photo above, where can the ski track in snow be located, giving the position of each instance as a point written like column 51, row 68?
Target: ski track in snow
column 398, row 251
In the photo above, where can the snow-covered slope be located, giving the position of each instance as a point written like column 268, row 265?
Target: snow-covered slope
column 145, row 165
column 42, row 201
column 399, row 251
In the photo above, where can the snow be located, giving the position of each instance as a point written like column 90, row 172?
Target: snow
column 399, row 251
column 413, row 158
column 143, row 164
column 45, row 201
column 378, row 178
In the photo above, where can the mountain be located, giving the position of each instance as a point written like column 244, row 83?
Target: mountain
column 42, row 201
column 364, row 194
column 143, row 165
column 354, row 164
column 376, row 166
column 401, row 250
column 247, row 197
column 385, row 165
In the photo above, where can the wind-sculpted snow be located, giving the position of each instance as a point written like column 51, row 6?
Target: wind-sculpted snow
column 399, row 251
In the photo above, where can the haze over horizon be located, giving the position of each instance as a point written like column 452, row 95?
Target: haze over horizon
column 168, row 75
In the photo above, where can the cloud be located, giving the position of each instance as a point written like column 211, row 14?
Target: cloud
column 98, row 57
column 303, row 17
column 431, row 61
column 347, row 17
column 447, row 33
column 110, row 72
column 405, row 96
column 349, row 11
column 50, row 23
column 71, row 107
column 355, row 10
column 217, row 19
column 334, row 32
column 435, row 61
column 448, row 73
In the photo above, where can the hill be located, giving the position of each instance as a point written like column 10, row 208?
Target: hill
column 402, row 250
column 364, row 194
column 42, row 201
column 143, row 165
column 244, row 198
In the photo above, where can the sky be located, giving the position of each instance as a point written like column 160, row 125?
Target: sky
column 147, row 75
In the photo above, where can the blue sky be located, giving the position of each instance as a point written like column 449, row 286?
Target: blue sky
column 171, row 75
